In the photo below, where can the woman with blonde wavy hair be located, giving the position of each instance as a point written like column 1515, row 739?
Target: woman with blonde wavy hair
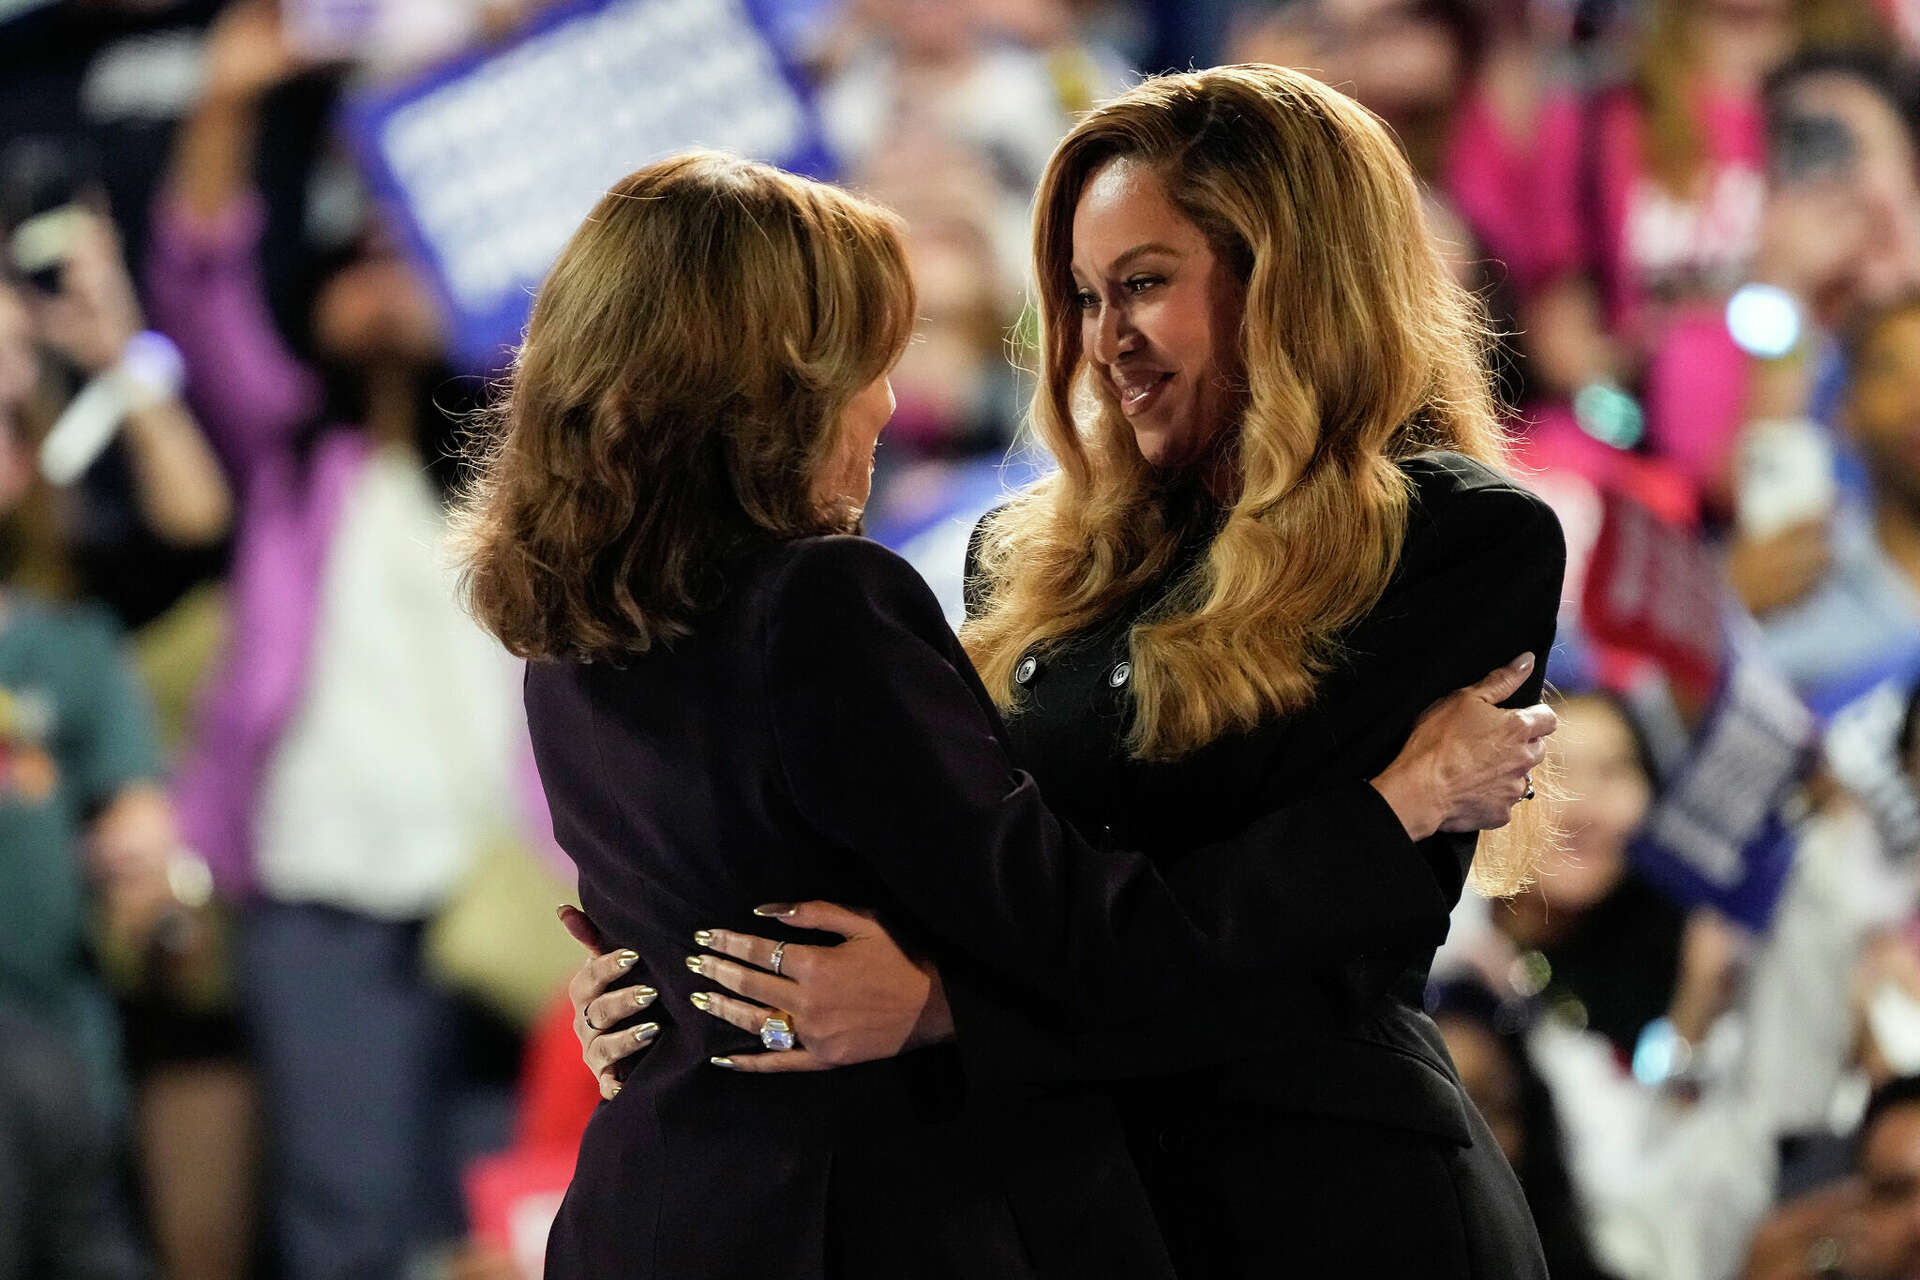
column 1224, row 633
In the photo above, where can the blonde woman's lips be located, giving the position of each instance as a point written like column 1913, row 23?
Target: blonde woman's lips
column 1138, row 395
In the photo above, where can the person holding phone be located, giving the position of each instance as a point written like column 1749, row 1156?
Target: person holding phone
column 1818, row 468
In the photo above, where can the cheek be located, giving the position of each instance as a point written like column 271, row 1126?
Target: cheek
column 1183, row 336
column 1623, row 805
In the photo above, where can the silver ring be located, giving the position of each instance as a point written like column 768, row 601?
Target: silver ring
column 779, row 954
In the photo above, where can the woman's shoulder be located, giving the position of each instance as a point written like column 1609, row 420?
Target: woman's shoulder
column 838, row 579
column 831, row 555
column 1443, row 479
column 1460, row 500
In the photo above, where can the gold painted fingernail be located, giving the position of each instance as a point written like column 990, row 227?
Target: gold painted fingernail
column 693, row 963
column 645, row 1032
column 702, row 1000
column 775, row 910
column 722, row 1062
column 644, row 996
column 626, row 959
column 614, row 1094
column 703, row 938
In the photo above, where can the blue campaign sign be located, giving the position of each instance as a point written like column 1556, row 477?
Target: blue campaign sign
column 1715, row 836
column 1864, row 718
column 489, row 163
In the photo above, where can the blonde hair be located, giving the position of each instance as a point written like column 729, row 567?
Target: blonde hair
column 1358, row 348
column 687, row 364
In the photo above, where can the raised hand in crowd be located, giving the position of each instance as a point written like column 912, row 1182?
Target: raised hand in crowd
column 247, row 53
column 1712, row 952
column 95, row 314
column 1885, row 1003
column 247, row 56
column 94, row 322
column 1773, row 571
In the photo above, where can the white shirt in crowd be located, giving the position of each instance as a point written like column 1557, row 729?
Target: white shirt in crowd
column 400, row 761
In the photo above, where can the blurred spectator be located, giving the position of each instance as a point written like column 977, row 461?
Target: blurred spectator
column 1854, row 603
column 89, row 96
column 167, row 490
column 1652, row 195
column 107, row 80
column 194, row 1116
column 357, row 748
column 1842, row 232
column 1590, row 937
column 1484, row 1038
column 959, row 398
column 934, row 74
column 1718, row 1050
column 1456, row 80
column 80, row 801
column 1866, row 1227
column 1822, row 1228
column 1886, row 1241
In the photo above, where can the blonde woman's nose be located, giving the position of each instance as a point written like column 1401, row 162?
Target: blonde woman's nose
column 1115, row 335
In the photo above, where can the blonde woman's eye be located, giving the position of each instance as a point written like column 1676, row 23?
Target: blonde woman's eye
column 1140, row 284
column 1084, row 300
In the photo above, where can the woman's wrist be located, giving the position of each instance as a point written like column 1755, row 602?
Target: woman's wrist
column 936, row 1016
column 1412, row 804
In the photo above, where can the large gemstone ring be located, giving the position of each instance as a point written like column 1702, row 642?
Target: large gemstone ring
column 776, row 1033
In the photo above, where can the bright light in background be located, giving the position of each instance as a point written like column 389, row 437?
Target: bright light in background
column 1764, row 320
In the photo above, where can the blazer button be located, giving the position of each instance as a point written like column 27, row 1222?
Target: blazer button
column 1025, row 671
column 1118, row 676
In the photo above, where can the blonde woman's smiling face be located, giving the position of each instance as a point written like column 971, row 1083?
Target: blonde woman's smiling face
column 1160, row 315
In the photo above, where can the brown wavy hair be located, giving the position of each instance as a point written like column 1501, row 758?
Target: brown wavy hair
column 687, row 363
column 1358, row 348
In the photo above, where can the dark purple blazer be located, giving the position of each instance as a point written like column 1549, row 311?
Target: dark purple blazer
column 822, row 735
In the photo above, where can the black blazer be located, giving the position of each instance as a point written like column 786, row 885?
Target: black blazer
column 822, row 735
column 1478, row 583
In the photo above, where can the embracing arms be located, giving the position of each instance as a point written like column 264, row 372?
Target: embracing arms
column 890, row 753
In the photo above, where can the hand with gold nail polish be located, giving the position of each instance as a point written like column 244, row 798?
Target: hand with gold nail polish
column 856, row 1002
column 603, row 1014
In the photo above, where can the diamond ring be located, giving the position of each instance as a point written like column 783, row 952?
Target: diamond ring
column 779, row 954
column 776, row 1033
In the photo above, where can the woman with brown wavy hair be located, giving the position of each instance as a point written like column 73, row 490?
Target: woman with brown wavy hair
column 1278, row 532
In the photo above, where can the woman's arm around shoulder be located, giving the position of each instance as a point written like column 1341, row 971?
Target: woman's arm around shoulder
column 1480, row 576
column 891, row 750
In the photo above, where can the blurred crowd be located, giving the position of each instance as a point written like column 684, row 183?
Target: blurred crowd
column 278, row 970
